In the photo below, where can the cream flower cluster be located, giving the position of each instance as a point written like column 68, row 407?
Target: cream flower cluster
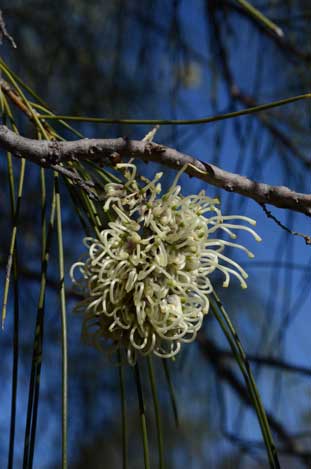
column 146, row 279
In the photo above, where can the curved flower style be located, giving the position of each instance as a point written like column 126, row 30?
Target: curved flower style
column 146, row 279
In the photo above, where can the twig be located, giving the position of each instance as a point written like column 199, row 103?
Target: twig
column 48, row 154
column 74, row 177
column 286, row 46
column 227, row 374
column 20, row 103
column 4, row 33
column 236, row 94
column 284, row 227
column 268, row 361
column 247, row 444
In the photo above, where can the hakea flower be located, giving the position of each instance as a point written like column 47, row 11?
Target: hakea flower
column 146, row 278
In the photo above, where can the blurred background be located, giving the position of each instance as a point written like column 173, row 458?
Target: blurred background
column 171, row 59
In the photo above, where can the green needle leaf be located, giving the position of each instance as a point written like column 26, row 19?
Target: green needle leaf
column 124, row 416
column 16, row 324
column 64, row 325
column 34, row 385
column 156, row 411
column 241, row 359
column 203, row 120
column 171, row 390
column 142, row 412
column 13, row 240
column 258, row 16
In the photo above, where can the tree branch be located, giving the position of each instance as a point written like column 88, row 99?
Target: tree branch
column 111, row 151
column 236, row 94
column 269, row 361
column 283, row 44
column 230, row 377
column 4, row 33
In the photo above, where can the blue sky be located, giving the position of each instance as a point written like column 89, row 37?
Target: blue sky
column 272, row 293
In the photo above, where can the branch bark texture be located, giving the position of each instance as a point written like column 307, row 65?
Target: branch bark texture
column 111, row 151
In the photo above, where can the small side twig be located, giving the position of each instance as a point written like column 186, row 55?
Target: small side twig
column 284, row 227
column 76, row 179
column 4, row 32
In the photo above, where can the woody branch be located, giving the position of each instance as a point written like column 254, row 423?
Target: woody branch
column 111, row 151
